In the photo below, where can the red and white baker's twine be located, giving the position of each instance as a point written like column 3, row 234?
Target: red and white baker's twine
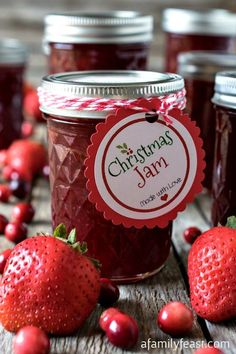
column 49, row 100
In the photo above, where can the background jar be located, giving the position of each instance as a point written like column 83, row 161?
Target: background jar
column 188, row 30
column 199, row 69
column 126, row 254
column 224, row 175
column 116, row 40
column 12, row 65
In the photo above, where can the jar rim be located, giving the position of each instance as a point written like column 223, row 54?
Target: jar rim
column 98, row 27
column 220, row 22
column 205, row 63
column 225, row 89
column 12, row 51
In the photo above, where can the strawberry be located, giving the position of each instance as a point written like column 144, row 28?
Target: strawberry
column 31, row 105
column 212, row 273
column 27, row 158
column 49, row 283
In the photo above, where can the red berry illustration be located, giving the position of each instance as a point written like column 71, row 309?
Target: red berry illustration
column 176, row 319
column 31, row 340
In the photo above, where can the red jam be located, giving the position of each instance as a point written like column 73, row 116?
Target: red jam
column 73, row 57
column 198, row 69
column 224, row 175
column 124, row 253
column 188, row 30
column 11, row 97
column 12, row 63
column 91, row 41
column 224, row 178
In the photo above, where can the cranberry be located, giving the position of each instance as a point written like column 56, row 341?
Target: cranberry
column 19, row 188
column 106, row 317
column 3, row 157
column 109, row 293
column 122, row 331
column 3, row 223
column 23, row 212
column 9, row 173
column 16, row 232
column 31, row 340
column 5, row 193
column 3, row 259
column 191, row 234
column 175, row 319
column 209, row 350
column 27, row 129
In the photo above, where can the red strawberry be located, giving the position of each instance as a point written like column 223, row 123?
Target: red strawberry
column 212, row 273
column 48, row 283
column 31, row 105
column 27, row 157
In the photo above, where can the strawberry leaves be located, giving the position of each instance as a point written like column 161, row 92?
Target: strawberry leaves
column 231, row 222
column 60, row 231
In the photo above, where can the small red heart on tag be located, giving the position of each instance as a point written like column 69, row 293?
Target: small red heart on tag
column 164, row 197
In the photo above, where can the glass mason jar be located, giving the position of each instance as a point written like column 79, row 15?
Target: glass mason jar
column 224, row 175
column 116, row 40
column 12, row 65
column 188, row 30
column 126, row 254
column 198, row 69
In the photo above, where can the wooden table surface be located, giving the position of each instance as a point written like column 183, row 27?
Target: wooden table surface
column 143, row 299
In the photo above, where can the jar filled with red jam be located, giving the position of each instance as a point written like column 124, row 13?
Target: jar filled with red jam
column 126, row 254
column 188, row 30
column 117, row 40
column 198, row 69
column 224, row 174
column 12, row 65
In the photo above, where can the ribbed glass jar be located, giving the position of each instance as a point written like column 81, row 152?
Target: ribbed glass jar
column 117, row 40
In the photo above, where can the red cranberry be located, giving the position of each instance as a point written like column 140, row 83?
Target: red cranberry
column 3, row 157
column 19, row 188
column 191, row 234
column 122, row 331
column 3, row 259
column 31, row 340
column 208, row 350
column 175, row 319
column 109, row 293
column 5, row 193
column 27, row 129
column 23, row 212
column 9, row 173
column 106, row 317
column 16, row 232
column 3, row 223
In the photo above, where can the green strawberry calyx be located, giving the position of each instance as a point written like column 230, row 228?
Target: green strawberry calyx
column 61, row 234
column 231, row 222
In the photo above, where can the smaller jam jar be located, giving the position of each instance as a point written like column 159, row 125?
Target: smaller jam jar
column 127, row 254
column 12, row 65
column 188, row 30
column 224, row 174
column 198, row 69
column 97, row 41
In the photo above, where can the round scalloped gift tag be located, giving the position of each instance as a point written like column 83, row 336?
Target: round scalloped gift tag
column 142, row 173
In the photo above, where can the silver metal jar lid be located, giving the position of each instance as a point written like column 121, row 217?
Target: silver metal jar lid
column 12, row 51
column 225, row 89
column 205, row 64
column 108, row 84
column 205, row 22
column 98, row 27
